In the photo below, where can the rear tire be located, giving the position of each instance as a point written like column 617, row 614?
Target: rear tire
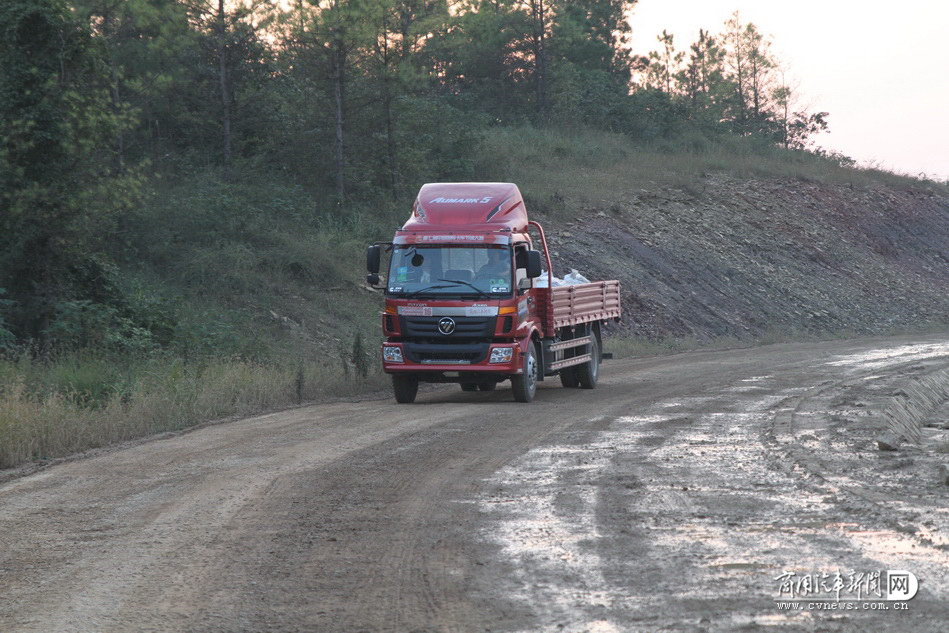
column 469, row 386
column 487, row 386
column 588, row 372
column 524, row 385
column 568, row 378
column 405, row 388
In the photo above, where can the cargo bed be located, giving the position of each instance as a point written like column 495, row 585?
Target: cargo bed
column 570, row 305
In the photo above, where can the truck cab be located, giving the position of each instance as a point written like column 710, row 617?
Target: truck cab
column 462, row 302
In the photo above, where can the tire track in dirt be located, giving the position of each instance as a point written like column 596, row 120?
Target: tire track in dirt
column 649, row 503
column 724, row 516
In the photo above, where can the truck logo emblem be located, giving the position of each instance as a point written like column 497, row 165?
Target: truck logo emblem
column 446, row 326
column 441, row 200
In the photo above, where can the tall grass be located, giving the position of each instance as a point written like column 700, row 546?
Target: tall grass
column 260, row 290
column 76, row 404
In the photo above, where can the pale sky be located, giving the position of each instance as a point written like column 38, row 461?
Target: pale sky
column 881, row 69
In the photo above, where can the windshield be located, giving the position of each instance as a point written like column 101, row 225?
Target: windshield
column 450, row 270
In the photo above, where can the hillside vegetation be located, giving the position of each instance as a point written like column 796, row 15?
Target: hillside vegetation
column 266, row 305
column 188, row 190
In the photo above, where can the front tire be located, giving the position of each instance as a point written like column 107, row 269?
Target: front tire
column 405, row 388
column 524, row 385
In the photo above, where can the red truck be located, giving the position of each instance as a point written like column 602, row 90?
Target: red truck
column 465, row 300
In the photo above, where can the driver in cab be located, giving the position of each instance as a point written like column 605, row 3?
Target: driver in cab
column 496, row 271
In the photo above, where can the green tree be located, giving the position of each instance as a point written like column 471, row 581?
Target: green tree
column 483, row 60
column 594, row 34
column 540, row 14
column 230, row 38
column 61, row 183
column 736, row 60
column 760, row 71
column 664, row 65
column 390, row 67
column 750, row 68
column 155, row 65
column 703, row 76
column 795, row 127
column 339, row 28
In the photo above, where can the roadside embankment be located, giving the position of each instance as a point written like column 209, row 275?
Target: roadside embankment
column 833, row 432
column 911, row 406
column 757, row 258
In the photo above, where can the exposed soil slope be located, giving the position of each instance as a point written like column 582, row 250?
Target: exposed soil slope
column 749, row 257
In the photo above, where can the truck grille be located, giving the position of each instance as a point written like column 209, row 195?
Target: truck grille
column 447, row 354
column 465, row 327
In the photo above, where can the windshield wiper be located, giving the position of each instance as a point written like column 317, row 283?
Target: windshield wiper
column 474, row 287
column 418, row 292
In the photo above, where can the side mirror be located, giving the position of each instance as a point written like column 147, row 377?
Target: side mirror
column 373, row 255
column 372, row 279
column 533, row 264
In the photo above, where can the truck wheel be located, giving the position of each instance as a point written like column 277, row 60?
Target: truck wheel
column 524, row 385
column 469, row 386
column 588, row 372
column 568, row 377
column 487, row 386
column 405, row 388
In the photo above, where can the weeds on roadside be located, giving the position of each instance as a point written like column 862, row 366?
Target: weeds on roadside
column 77, row 403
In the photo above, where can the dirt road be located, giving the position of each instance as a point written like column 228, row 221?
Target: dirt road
column 670, row 498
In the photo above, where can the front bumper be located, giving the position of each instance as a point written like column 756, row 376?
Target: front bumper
column 434, row 367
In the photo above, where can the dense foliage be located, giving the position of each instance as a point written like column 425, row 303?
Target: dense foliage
column 103, row 103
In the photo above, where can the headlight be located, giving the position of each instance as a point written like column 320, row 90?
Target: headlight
column 502, row 355
column 392, row 354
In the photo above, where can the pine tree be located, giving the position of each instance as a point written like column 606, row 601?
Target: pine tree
column 61, row 183
column 230, row 35
column 664, row 65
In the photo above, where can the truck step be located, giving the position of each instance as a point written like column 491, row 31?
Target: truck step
column 569, row 362
column 574, row 342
